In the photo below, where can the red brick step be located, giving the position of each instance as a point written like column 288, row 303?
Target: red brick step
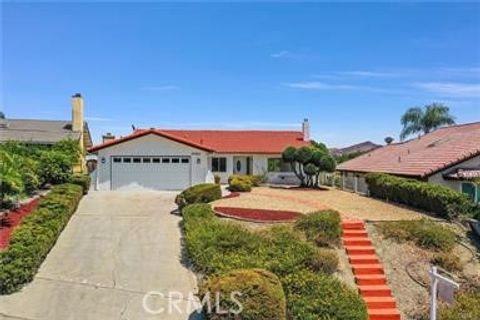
column 379, row 290
column 359, row 241
column 355, row 233
column 370, row 279
column 363, row 259
column 380, row 302
column 354, row 249
column 367, row 269
column 353, row 225
column 383, row 314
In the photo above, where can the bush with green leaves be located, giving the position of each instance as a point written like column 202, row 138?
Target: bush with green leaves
column 217, row 247
column 82, row 180
column 258, row 293
column 437, row 199
column 36, row 235
column 239, row 185
column 424, row 233
column 199, row 193
column 312, row 296
column 322, row 227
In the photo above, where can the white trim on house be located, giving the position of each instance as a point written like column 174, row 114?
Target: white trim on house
column 108, row 177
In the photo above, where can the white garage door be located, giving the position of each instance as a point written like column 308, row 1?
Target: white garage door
column 153, row 172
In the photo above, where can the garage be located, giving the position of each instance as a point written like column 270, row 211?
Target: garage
column 152, row 172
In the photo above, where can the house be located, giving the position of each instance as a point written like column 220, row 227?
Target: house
column 48, row 132
column 175, row 159
column 448, row 156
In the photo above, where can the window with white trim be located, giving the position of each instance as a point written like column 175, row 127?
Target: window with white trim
column 219, row 164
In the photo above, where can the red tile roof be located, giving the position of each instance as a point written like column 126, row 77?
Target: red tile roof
column 222, row 141
column 421, row 156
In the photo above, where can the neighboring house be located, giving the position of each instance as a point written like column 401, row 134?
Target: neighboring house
column 355, row 149
column 175, row 159
column 448, row 156
column 48, row 132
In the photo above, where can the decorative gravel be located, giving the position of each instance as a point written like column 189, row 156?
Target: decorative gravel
column 257, row 215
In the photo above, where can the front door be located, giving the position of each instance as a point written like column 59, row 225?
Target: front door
column 242, row 165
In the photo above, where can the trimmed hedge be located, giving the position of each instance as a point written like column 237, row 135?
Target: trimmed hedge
column 261, row 296
column 200, row 193
column 36, row 235
column 425, row 196
column 322, row 227
column 425, row 233
column 82, row 180
column 218, row 247
column 243, row 182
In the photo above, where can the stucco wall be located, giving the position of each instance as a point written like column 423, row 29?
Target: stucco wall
column 150, row 145
column 437, row 178
column 259, row 167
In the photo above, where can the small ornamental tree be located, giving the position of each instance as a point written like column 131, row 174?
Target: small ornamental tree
column 308, row 162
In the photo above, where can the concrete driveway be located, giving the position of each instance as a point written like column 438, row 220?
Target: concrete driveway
column 117, row 247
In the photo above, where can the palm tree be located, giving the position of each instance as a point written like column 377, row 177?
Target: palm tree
column 431, row 117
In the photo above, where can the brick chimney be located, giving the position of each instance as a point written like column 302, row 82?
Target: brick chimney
column 107, row 137
column 77, row 112
column 306, row 130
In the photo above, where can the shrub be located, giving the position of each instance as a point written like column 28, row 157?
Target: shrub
column 425, row 196
column 55, row 167
column 35, row 236
column 322, row 227
column 425, row 233
column 82, row 180
column 252, row 180
column 200, row 193
column 239, row 185
column 320, row 297
column 262, row 296
column 216, row 247
column 447, row 261
column 466, row 307
column 217, row 178
column 324, row 261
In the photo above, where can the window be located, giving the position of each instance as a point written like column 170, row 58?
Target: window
column 165, row 160
column 156, row 160
column 185, row 160
column 136, row 160
column 117, row 159
column 175, row 160
column 147, row 160
column 278, row 165
column 219, row 164
column 127, row 160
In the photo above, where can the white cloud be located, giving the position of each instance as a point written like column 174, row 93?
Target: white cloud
column 450, row 89
column 161, row 88
column 280, row 54
column 365, row 73
column 316, row 85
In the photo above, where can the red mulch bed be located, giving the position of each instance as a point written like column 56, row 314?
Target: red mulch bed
column 301, row 188
column 257, row 215
column 10, row 220
column 232, row 195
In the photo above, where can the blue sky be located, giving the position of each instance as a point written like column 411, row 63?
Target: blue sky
column 352, row 69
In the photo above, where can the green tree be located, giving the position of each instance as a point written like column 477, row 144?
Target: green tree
column 11, row 182
column 431, row 117
column 308, row 162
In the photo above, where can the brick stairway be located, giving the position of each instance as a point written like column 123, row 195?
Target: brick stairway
column 368, row 272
